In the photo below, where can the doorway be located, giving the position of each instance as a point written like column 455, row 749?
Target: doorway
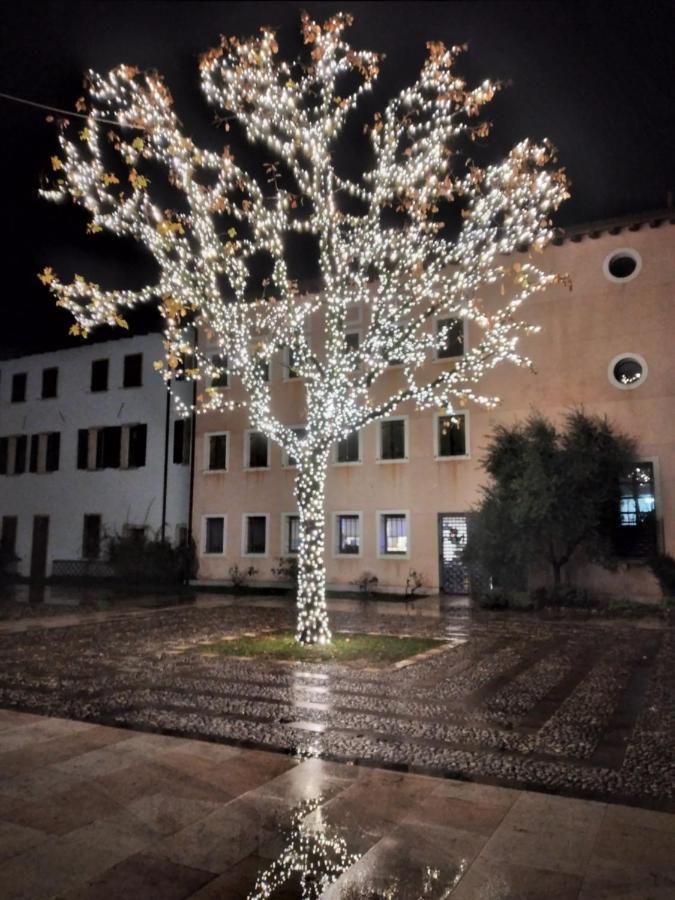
column 38, row 556
column 452, row 533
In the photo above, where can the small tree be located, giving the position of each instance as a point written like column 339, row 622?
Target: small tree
column 379, row 241
column 553, row 495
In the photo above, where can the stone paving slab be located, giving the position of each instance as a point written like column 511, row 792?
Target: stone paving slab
column 580, row 707
column 404, row 835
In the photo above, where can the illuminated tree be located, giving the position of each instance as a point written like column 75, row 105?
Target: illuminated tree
column 379, row 239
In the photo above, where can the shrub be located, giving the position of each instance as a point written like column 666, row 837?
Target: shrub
column 663, row 567
column 413, row 583
column 141, row 559
column 565, row 595
column 366, row 582
column 501, row 599
column 287, row 569
column 239, row 577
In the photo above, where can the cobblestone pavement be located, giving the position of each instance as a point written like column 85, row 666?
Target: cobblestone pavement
column 89, row 811
column 578, row 707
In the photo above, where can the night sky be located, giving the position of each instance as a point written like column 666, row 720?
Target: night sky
column 596, row 78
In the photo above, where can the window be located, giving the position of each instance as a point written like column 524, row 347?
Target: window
column 20, row 452
column 352, row 340
column 34, row 453
column 289, row 362
column 348, row 449
column 138, row 437
column 133, row 370
column 256, row 450
column 255, row 535
column 214, row 534
column 4, row 455
column 300, row 431
column 451, row 435
column 216, row 452
column 108, row 447
column 114, row 447
column 393, row 534
column 622, row 265
column 91, row 537
column 50, row 381
column 393, row 439
column 52, row 451
column 8, row 538
column 637, row 530
column 627, row 371
column 453, row 343
column 290, row 534
column 220, row 364
column 19, row 381
column 99, row 375
column 348, row 534
column 182, row 441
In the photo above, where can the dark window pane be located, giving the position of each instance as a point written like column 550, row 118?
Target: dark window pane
column 352, row 340
column 138, row 435
column 99, row 375
column 215, row 534
column 108, row 447
column 19, row 387
column 393, row 439
column 293, row 535
column 394, row 534
column 257, row 450
column 220, row 380
column 454, row 340
column 348, row 534
column 182, row 439
column 82, row 448
column 53, row 451
column 21, row 452
column 34, row 452
column 218, row 451
column 50, row 381
column 348, row 448
column 256, row 527
column 91, row 537
column 4, row 455
column 291, row 373
column 8, row 539
column 264, row 368
column 621, row 265
column 452, row 435
column 628, row 371
column 133, row 370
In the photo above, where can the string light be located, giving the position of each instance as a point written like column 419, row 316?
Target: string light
column 404, row 277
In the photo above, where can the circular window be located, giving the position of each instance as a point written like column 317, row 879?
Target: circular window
column 627, row 371
column 622, row 265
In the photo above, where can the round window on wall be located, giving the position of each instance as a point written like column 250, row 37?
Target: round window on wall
column 627, row 371
column 622, row 265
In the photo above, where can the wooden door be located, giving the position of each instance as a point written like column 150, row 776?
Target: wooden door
column 38, row 556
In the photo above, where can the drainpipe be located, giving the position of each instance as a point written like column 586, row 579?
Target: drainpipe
column 193, row 442
column 167, row 419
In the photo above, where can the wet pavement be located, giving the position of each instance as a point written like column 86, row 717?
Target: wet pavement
column 89, row 811
column 579, row 707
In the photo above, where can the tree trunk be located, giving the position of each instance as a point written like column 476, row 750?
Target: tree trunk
column 312, row 627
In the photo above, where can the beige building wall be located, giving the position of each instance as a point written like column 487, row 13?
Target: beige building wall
column 582, row 331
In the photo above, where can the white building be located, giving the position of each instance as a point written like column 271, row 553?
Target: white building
column 89, row 446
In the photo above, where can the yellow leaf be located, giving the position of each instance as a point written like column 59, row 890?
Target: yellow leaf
column 138, row 143
column 173, row 361
column 290, row 83
column 56, row 163
column 85, row 134
column 232, row 232
column 157, row 365
column 138, row 181
column 108, row 178
column 121, row 322
column 47, row 275
column 94, row 228
column 75, row 330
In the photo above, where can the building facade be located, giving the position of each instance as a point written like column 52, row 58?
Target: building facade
column 399, row 493
column 89, row 447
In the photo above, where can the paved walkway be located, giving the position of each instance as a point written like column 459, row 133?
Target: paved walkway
column 580, row 707
column 88, row 811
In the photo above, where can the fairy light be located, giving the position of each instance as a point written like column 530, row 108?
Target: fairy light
column 404, row 278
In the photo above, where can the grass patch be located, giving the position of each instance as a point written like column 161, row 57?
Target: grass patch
column 372, row 649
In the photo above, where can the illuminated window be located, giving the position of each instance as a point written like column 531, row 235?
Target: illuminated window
column 348, row 534
column 393, row 534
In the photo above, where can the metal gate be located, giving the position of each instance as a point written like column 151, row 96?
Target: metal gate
column 452, row 534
